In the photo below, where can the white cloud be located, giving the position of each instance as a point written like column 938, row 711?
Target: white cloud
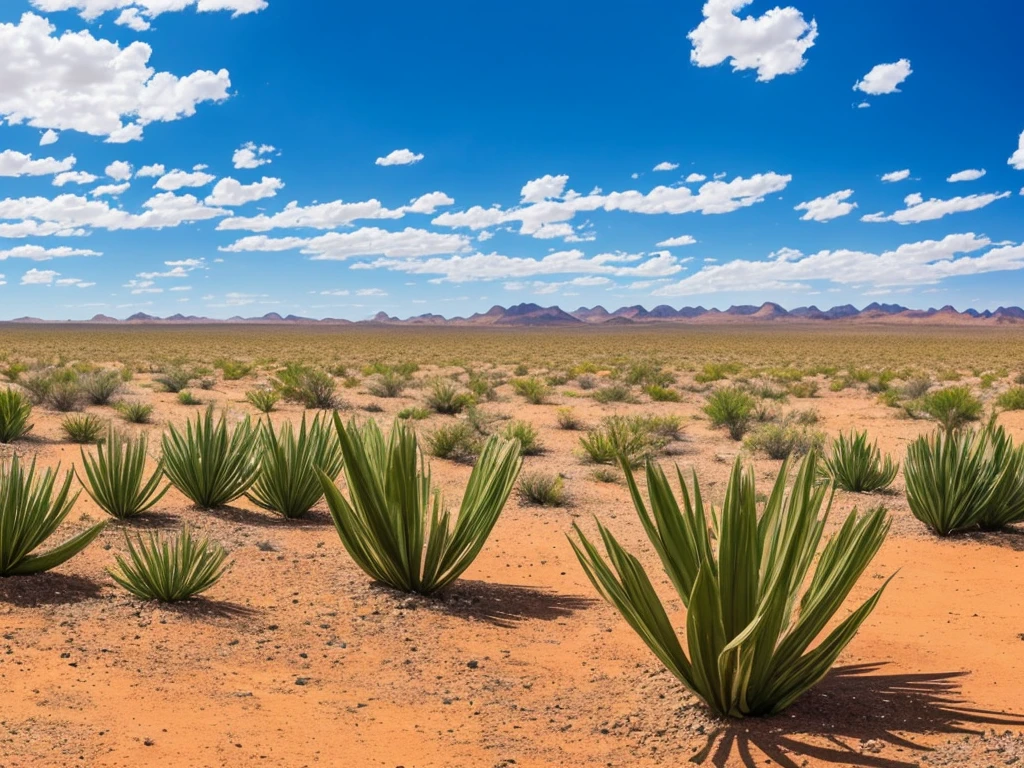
column 665, row 166
column 92, row 9
column 970, row 174
column 366, row 241
column 151, row 171
column 15, row 164
column 884, row 78
column 673, row 242
column 920, row 263
column 75, row 282
column 177, row 179
column 230, row 192
column 39, row 277
column 110, row 189
column 249, row 156
column 695, row 177
column 773, row 43
column 543, row 288
column 399, row 157
column 545, row 187
column 81, row 83
column 39, row 253
column 863, row 105
column 918, row 209
column 371, row 292
column 896, row 175
column 1017, row 158
column 73, row 177
column 334, row 214
column 119, row 170
column 49, row 136
column 827, row 208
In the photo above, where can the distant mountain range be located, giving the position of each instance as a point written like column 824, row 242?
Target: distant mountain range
column 522, row 315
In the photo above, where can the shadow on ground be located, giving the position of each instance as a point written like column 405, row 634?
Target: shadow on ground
column 47, row 588
column 855, row 718
column 504, row 605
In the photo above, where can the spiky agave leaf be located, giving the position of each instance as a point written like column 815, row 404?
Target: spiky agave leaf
column 856, row 466
column 29, row 515
column 169, row 570
column 747, row 641
column 288, row 483
column 209, row 463
column 395, row 526
column 114, row 476
column 949, row 479
column 1005, row 502
column 15, row 410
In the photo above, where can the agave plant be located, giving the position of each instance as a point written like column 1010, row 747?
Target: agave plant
column 949, row 478
column 209, row 463
column 15, row 410
column 114, row 477
column 1005, row 502
column 856, row 466
column 395, row 526
column 29, row 514
column 169, row 570
column 746, row 641
column 288, row 483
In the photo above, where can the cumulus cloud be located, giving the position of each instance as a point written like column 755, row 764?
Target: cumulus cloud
column 884, row 78
column 110, row 189
column 151, row 171
column 39, row 253
column 133, row 19
column 249, row 156
column 74, row 214
column 773, row 44
column 15, row 164
column 919, row 263
column 695, row 177
column 366, row 241
column 230, row 192
column 665, row 166
column 49, row 137
column 39, row 277
column 93, row 9
column 1017, row 158
column 81, row 83
column 896, row 175
column 119, row 170
column 399, row 157
column 970, row 174
column 918, row 209
column 544, row 188
column 542, row 288
column 176, row 180
column 677, row 241
column 827, row 208
column 73, row 177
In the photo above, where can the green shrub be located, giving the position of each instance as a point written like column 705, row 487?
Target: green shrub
column 458, row 441
column 15, row 410
column 916, row 388
column 114, row 477
column 567, row 419
column 614, row 393
column 803, row 389
column 1012, row 399
column 526, row 434
column 648, row 374
column 779, row 441
column 740, row 576
column 29, row 514
column 952, row 407
column 660, row 394
column 533, row 389
column 65, row 395
column 520, row 370
column 543, row 489
column 312, row 387
column 856, row 466
column 395, row 526
column 838, row 385
column 13, row 371
column 169, row 570
column 415, row 413
column 1004, row 505
column 730, row 407
column 621, row 438
column 482, row 387
column 234, row 370
column 444, row 397
column 175, row 379
column 187, row 398
column 209, row 463
column 586, row 382
column 263, row 400
column 82, row 428
column 100, row 387
column 135, row 412
column 38, row 386
column 948, row 477
column 288, row 483
column 387, row 384
column 716, row 372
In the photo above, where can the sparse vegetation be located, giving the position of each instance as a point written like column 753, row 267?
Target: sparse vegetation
column 526, row 434
column 457, row 441
column 114, row 477
column 532, row 389
column 857, row 466
column 263, row 400
column 445, row 398
column 135, row 412
column 187, row 398
column 953, row 407
column 101, row 387
column 543, row 489
column 780, row 441
column 82, row 428
column 169, row 569
column 567, row 419
column 732, row 408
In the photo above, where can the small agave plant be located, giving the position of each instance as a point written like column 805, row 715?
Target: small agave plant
column 30, row 513
column 754, row 607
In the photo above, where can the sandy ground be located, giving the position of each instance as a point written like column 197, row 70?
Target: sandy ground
column 296, row 659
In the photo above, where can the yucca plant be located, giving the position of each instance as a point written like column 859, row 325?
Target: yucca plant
column 388, row 383
column 526, row 434
column 114, row 477
column 175, row 379
column 952, row 407
column 29, row 515
column 101, row 386
column 1005, row 502
column 169, row 570
column 209, row 463
column 263, row 400
column 856, row 466
column 185, row 397
column 949, row 478
column 753, row 607
column 288, row 483
column 135, row 412
column 730, row 407
column 445, row 398
column 82, row 428
column 543, row 489
column 395, row 525
column 15, row 410
column 532, row 389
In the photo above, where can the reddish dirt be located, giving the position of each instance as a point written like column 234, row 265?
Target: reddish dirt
column 296, row 659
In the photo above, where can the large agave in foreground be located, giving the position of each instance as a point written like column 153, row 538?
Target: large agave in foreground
column 746, row 641
column 29, row 514
column 394, row 524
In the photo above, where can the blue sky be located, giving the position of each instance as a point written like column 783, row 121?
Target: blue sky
column 223, row 157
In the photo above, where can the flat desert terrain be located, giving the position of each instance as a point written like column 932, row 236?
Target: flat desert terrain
column 296, row 658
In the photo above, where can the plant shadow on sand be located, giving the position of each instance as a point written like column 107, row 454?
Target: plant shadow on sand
column 315, row 518
column 1010, row 538
column 47, row 588
column 503, row 605
column 205, row 608
column 855, row 718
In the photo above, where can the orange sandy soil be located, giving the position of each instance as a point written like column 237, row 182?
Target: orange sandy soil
column 296, row 659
